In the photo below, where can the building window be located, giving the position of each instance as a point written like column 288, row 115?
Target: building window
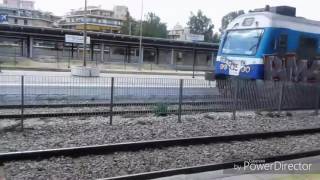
column 15, row 21
column 25, row 22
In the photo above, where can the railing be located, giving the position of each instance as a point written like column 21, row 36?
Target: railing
column 45, row 96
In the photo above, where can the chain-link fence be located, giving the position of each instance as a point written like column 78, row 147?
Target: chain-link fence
column 45, row 96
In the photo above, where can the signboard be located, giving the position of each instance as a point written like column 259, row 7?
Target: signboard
column 76, row 39
column 194, row 37
column 3, row 18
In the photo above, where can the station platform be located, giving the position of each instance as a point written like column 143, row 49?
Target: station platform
column 221, row 175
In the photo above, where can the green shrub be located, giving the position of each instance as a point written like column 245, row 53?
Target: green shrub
column 161, row 110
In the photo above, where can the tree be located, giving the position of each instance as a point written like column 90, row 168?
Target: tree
column 201, row 24
column 129, row 26
column 216, row 37
column 228, row 18
column 153, row 27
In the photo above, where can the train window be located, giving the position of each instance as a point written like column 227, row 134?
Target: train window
column 283, row 41
column 281, row 44
column 307, row 48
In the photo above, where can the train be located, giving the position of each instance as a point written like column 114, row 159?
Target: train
column 270, row 43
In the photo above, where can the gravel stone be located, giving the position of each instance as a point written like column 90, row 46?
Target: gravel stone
column 44, row 133
column 123, row 163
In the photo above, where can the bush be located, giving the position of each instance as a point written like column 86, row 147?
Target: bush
column 161, row 110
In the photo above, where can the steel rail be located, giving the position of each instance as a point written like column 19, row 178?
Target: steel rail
column 106, row 104
column 107, row 113
column 211, row 167
column 155, row 144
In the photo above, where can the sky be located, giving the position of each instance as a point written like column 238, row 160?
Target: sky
column 178, row 11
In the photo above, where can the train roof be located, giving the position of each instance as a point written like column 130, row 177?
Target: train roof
column 269, row 19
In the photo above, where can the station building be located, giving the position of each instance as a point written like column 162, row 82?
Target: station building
column 17, row 12
column 98, row 19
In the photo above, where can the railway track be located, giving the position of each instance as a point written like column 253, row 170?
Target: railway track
column 211, row 167
column 108, row 104
column 216, row 106
column 107, row 113
column 158, row 144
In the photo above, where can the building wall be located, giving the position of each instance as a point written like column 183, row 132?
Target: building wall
column 27, row 5
column 28, row 17
column 19, row 4
column 120, row 12
column 30, row 22
column 98, row 19
column 12, row 3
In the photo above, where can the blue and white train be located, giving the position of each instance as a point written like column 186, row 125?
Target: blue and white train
column 250, row 37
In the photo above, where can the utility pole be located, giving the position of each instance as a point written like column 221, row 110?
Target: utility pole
column 130, row 26
column 85, row 35
column 140, row 43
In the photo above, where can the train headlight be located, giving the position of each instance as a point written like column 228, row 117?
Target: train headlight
column 245, row 69
column 248, row 69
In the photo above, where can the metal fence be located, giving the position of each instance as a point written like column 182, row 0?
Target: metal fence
column 45, row 96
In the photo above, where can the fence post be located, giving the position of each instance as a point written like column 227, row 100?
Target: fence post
column 111, row 99
column 280, row 98
column 180, row 100
column 317, row 100
column 22, row 102
column 235, row 100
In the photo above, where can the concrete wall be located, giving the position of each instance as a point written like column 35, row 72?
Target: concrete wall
column 30, row 22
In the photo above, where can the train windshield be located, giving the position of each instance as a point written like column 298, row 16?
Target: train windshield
column 242, row 42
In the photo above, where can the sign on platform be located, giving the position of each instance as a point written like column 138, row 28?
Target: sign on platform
column 76, row 39
column 194, row 37
column 3, row 18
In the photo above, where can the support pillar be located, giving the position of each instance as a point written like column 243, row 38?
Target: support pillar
column 72, row 48
column 30, row 47
column 91, row 51
column 110, row 53
column 157, row 55
column 172, row 57
column 63, row 49
column 213, row 59
column 194, row 61
column 125, row 51
column 102, row 52
column 23, row 45
column 142, row 55
column 129, row 54
column 78, row 52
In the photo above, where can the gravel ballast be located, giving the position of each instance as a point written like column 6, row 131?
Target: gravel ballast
column 122, row 163
column 44, row 133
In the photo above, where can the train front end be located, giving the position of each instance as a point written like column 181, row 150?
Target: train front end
column 241, row 54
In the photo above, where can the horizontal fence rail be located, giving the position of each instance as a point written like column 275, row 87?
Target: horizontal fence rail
column 46, row 96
